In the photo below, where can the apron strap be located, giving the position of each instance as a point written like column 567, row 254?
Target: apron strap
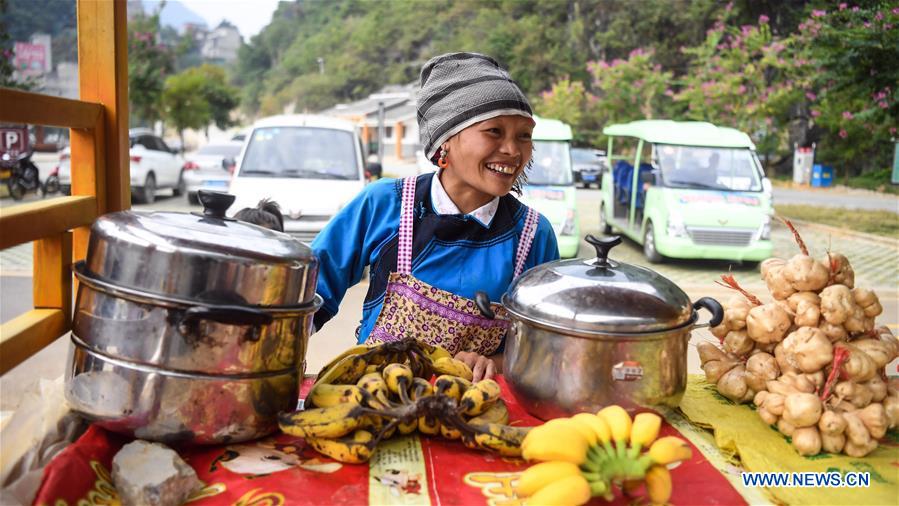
column 525, row 241
column 407, row 214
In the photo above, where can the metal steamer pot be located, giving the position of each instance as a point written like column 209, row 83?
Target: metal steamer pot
column 190, row 327
column 586, row 334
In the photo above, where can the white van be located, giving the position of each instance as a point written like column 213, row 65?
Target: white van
column 310, row 165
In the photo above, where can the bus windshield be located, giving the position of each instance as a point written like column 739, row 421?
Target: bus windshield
column 726, row 169
column 551, row 164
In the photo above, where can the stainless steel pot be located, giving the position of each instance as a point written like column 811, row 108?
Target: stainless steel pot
column 195, row 324
column 590, row 333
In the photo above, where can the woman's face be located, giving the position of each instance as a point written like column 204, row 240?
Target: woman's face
column 487, row 157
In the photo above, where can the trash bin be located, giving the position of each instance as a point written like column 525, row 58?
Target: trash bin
column 822, row 175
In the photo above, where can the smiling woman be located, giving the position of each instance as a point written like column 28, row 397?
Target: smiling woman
column 435, row 240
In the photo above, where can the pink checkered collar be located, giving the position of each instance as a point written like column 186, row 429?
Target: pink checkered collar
column 443, row 204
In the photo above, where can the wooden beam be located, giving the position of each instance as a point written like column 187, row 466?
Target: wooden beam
column 53, row 274
column 27, row 334
column 46, row 218
column 103, row 78
column 37, row 109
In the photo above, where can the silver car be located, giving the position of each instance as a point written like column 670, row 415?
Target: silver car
column 210, row 168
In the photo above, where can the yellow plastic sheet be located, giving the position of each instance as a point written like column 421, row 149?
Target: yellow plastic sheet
column 739, row 431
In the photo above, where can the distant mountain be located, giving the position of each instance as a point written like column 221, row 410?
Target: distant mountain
column 174, row 14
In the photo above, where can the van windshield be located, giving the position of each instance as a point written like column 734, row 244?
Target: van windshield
column 551, row 164
column 727, row 169
column 300, row 152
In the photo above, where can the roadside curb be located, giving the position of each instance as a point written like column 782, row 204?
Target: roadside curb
column 846, row 232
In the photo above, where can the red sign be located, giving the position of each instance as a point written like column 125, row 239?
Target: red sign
column 13, row 140
column 30, row 59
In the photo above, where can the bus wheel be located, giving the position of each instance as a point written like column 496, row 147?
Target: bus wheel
column 649, row 245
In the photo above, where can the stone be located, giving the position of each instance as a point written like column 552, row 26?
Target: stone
column 147, row 473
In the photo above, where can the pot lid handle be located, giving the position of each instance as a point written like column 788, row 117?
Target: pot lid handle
column 215, row 203
column 602, row 248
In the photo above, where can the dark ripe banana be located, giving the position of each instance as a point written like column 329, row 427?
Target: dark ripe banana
column 398, row 378
column 453, row 367
column 501, row 438
column 436, row 352
column 373, row 368
column 325, row 395
column 347, row 371
column 335, row 421
column 428, row 425
column 479, row 397
column 352, row 449
column 355, row 350
column 496, row 413
column 449, row 432
column 421, row 388
column 408, row 427
column 373, row 384
column 451, row 386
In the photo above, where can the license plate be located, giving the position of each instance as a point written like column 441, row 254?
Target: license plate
column 5, row 174
column 588, row 177
column 217, row 184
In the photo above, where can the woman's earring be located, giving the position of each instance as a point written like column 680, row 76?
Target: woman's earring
column 442, row 162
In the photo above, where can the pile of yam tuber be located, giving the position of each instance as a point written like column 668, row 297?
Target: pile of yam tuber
column 811, row 360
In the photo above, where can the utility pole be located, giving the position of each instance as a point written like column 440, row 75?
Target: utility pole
column 321, row 65
column 381, row 132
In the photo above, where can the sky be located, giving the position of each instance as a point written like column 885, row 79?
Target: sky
column 249, row 16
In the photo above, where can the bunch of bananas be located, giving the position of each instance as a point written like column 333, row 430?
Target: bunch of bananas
column 370, row 393
column 588, row 455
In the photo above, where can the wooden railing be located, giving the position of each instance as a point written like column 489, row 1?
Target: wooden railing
column 58, row 227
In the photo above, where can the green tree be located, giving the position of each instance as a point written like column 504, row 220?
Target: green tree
column 149, row 63
column 184, row 101
column 221, row 97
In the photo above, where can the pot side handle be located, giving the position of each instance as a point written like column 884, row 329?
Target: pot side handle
column 482, row 300
column 228, row 315
column 714, row 307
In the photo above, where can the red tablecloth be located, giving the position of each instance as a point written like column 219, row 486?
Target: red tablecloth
column 283, row 470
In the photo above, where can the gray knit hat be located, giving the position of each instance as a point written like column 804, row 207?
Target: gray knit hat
column 461, row 89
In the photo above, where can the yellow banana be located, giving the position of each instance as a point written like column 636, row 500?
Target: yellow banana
column 447, row 365
column 373, row 368
column 598, row 424
column 503, row 439
column 449, row 432
column 335, row 421
column 398, row 378
column 428, row 425
column 346, row 371
column 436, row 353
column 540, row 475
column 408, row 427
column 353, row 449
column 644, row 431
column 421, row 388
column 669, row 449
column 658, row 484
column 555, row 441
column 497, row 413
column 586, row 430
column 324, row 395
column 571, row 490
column 620, row 425
column 447, row 384
column 373, row 383
column 479, row 397
column 359, row 349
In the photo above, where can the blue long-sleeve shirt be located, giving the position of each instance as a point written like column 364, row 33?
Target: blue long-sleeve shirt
column 456, row 253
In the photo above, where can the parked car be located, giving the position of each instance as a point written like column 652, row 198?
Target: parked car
column 694, row 190
column 310, row 165
column 550, row 188
column 153, row 166
column 587, row 165
column 210, row 168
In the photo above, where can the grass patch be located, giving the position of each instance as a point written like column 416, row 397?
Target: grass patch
column 878, row 180
column 883, row 223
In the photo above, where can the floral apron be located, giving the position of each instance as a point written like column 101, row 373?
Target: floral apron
column 416, row 309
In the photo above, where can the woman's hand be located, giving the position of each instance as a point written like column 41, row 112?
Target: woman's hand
column 481, row 367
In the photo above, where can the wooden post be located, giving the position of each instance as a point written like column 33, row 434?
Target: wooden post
column 398, row 134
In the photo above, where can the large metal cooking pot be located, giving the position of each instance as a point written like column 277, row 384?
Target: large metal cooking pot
column 589, row 333
column 190, row 327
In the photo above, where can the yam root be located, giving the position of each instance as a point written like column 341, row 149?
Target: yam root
column 808, row 349
column 733, row 385
column 868, row 301
column 778, row 285
column 738, row 342
column 833, row 443
column 806, row 308
column 859, row 367
column 875, row 419
column 715, row 362
column 833, row 332
column 841, row 272
column 805, row 273
column 831, row 422
column 837, row 304
column 802, row 410
column 856, row 394
column 807, row 441
column 768, row 323
column 761, row 368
